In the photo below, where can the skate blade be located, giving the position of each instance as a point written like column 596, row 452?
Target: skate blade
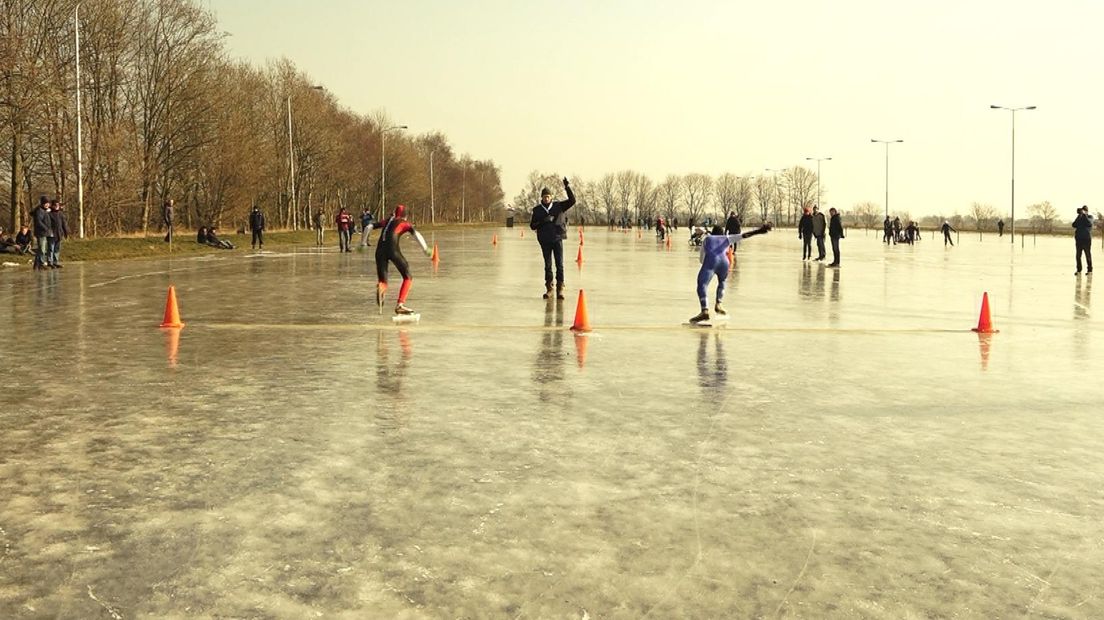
column 406, row 318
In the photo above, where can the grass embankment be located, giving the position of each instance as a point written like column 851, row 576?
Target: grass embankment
column 154, row 246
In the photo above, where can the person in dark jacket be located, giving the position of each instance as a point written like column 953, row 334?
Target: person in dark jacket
column 805, row 233
column 732, row 224
column 61, row 232
column 947, row 230
column 214, row 241
column 550, row 223
column 344, row 223
column 167, row 219
column 43, row 232
column 819, row 227
column 24, row 239
column 257, row 226
column 1082, row 237
column 887, row 230
column 367, row 222
column 835, row 232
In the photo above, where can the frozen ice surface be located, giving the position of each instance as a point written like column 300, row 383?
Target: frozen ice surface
column 844, row 447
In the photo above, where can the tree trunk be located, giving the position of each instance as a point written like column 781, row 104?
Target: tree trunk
column 16, row 180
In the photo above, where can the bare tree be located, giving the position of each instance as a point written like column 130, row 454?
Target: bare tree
column 801, row 189
column 698, row 192
column 725, row 190
column 626, row 184
column 607, row 195
column 669, row 196
column 982, row 214
column 1044, row 215
column 868, row 214
column 765, row 191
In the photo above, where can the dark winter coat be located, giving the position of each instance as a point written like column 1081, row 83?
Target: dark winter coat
column 835, row 227
column 60, row 226
column 1082, row 228
column 805, row 225
column 256, row 220
column 43, row 225
column 550, row 222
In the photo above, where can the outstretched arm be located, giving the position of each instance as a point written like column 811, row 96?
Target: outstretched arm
column 421, row 242
column 765, row 228
column 570, row 202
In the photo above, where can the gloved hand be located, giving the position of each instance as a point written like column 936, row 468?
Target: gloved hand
column 565, row 183
column 429, row 252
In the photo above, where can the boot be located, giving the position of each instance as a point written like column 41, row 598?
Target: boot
column 402, row 309
column 719, row 310
column 559, row 291
column 548, row 290
column 703, row 316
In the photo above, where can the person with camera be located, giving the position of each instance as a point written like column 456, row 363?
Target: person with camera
column 1082, row 237
column 550, row 223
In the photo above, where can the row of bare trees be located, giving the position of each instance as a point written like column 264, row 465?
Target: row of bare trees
column 632, row 197
column 165, row 113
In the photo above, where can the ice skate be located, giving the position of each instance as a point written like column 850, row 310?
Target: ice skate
column 702, row 316
column 401, row 308
column 547, row 291
column 559, row 291
column 719, row 310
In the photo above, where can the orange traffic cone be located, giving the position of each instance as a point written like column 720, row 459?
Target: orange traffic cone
column 582, row 322
column 494, row 240
column 436, row 257
column 172, row 312
column 984, row 344
column 580, row 349
column 668, row 243
column 985, row 321
column 579, row 256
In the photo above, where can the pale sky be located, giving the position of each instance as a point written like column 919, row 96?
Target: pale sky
column 589, row 87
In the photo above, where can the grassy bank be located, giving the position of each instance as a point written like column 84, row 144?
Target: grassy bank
column 154, row 246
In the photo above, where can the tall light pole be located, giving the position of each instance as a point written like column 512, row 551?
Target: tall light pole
column 1013, row 111
column 292, row 207
column 432, row 203
column 886, row 143
column 464, row 192
column 80, row 159
column 383, row 165
column 818, row 160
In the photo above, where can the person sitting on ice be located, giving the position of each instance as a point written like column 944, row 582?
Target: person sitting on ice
column 714, row 262
column 214, row 241
column 697, row 233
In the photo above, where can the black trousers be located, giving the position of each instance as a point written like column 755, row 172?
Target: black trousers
column 806, row 245
column 258, row 237
column 550, row 249
column 820, row 247
column 835, row 251
column 1084, row 246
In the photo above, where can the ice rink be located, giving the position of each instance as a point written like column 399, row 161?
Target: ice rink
column 844, row 446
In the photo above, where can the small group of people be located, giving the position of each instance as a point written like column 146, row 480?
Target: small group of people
column 48, row 229
column 208, row 235
column 812, row 225
column 346, row 227
column 20, row 244
column 893, row 232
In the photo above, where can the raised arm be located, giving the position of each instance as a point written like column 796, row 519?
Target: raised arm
column 570, row 202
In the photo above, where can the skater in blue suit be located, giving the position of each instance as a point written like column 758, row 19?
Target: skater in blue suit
column 714, row 262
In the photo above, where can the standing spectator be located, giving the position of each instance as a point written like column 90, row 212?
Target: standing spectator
column 805, row 233
column 887, row 230
column 819, row 226
column 344, row 223
column 550, row 223
column 835, row 231
column 61, row 232
column 167, row 218
column 43, row 232
column 23, row 239
column 732, row 224
column 896, row 229
column 1000, row 227
column 1082, row 237
column 366, row 219
column 947, row 229
column 257, row 226
column 319, row 228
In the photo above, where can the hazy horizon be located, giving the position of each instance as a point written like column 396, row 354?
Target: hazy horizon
column 578, row 88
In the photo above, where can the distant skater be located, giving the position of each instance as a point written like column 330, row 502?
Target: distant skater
column 805, row 233
column 1000, row 227
column 835, row 233
column 319, row 228
column 551, row 225
column 388, row 251
column 714, row 262
column 947, row 230
column 257, row 226
column 344, row 223
column 1082, row 237
column 367, row 222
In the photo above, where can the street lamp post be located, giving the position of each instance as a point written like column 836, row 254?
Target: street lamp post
column 1013, row 111
column 886, row 143
column 383, row 165
column 818, row 160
